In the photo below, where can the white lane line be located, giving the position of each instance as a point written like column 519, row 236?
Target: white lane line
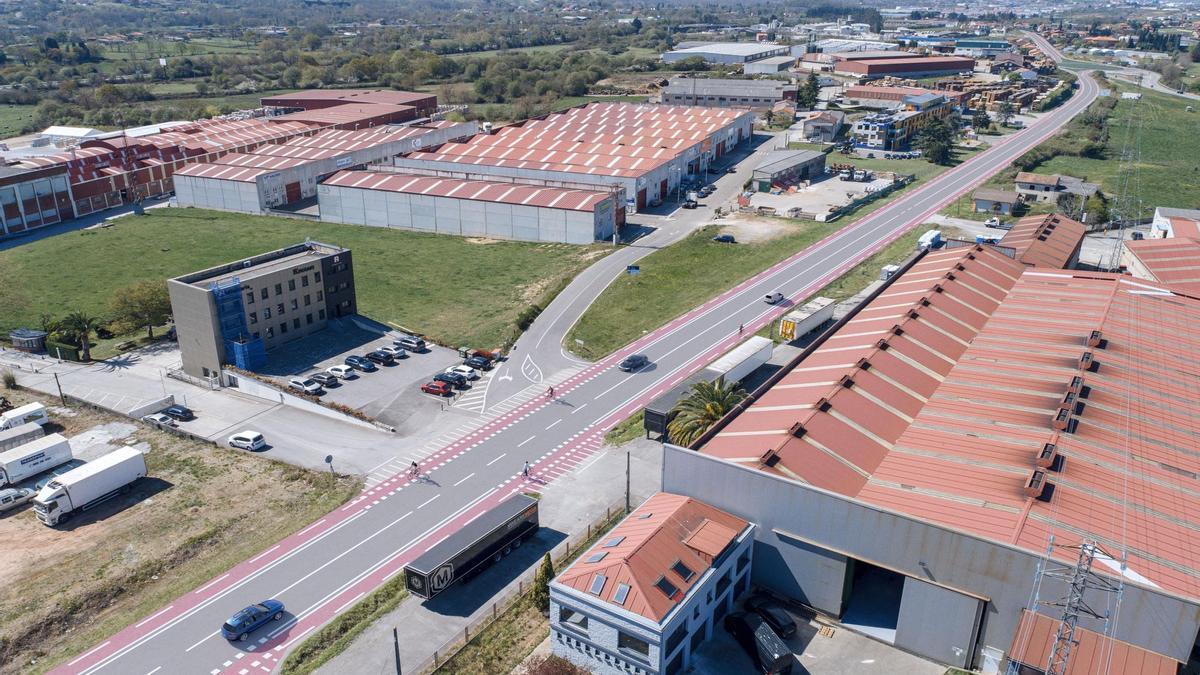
column 264, row 553
column 349, row 602
column 210, row 584
column 301, row 634
column 464, row 480
column 306, row 530
column 553, row 424
column 522, row 443
column 90, row 652
column 427, row 501
column 372, row 470
column 503, row 455
column 202, row 640
column 579, row 408
column 156, row 670
column 153, row 616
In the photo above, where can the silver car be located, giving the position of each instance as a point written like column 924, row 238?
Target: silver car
column 14, row 497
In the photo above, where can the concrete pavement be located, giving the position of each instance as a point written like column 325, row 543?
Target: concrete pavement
column 323, row 569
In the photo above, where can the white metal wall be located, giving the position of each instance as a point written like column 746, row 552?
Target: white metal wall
column 463, row 217
column 213, row 193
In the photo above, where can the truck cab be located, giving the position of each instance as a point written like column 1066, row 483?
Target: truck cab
column 48, row 506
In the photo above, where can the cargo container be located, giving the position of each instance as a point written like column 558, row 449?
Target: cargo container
column 91, row 484
column 34, row 412
column 480, row 542
column 34, row 457
column 20, row 435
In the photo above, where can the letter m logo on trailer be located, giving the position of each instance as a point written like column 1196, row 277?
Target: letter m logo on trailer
column 441, row 578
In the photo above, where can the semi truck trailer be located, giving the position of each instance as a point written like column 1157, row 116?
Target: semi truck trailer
column 34, row 457
column 89, row 485
column 34, row 412
column 20, row 435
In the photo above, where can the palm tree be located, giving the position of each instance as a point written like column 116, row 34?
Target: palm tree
column 696, row 414
column 79, row 327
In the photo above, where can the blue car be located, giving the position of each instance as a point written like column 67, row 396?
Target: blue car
column 240, row 625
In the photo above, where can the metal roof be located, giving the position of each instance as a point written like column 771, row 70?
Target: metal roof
column 1174, row 261
column 1092, row 652
column 1045, row 241
column 782, row 160
column 730, row 48
column 485, row 191
column 665, row 529
column 224, row 172
column 993, row 195
column 1037, row 178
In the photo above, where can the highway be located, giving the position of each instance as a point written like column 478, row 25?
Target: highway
column 326, row 567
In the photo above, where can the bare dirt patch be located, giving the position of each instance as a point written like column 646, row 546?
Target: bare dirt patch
column 753, row 229
column 483, row 241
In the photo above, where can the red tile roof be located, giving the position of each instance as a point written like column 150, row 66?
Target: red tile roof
column 487, row 191
column 1174, row 261
column 666, row 529
column 1185, row 227
column 1045, row 241
column 1037, row 178
column 1092, row 653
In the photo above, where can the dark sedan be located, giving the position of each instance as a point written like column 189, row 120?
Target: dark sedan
column 179, row 412
column 359, row 363
column 634, row 362
column 381, row 357
column 776, row 616
column 478, row 363
column 451, row 378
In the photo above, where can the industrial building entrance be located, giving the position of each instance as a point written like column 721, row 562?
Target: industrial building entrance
column 920, row 617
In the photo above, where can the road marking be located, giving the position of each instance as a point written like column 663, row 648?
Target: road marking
column 90, row 652
column 502, row 456
column 553, row 424
column 465, row 480
column 427, row 501
column 522, row 443
column 306, row 530
column 579, row 408
column 299, row 635
column 202, row 641
column 370, row 471
column 264, row 553
column 160, row 668
column 210, row 584
column 350, row 602
column 152, row 617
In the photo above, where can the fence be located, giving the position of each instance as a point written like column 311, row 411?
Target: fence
column 900, row 182
column 506, row 599
column 212, row 382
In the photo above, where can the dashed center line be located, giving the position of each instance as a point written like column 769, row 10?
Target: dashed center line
column 427, row 501
column 554, row 423
column 505, row 454
column 522, row 443
column 467, row 478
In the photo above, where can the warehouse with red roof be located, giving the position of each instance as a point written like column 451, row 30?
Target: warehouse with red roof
column 920, row 469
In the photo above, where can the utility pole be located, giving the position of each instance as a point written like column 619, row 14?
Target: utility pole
column 1079, row 578
column 626, row 481
column 396, row 648
column 60, row 391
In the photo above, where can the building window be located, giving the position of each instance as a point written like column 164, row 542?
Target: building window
column 253, row 318
column 676, row 638
column 278, row 289
column 295, row 304
column 308, row 319
column 668, row 589
column 264, row 293
column 317, row 277
column 291, row 284
column 279, row 309
column 683, row 570
column 270, row 333
column 630, row 645
column 307, row 299
column 296, row 323
column 698, row 637
column 574, row 620
column 743, row 560
column 304, row 280
column 266, row 312
column 250, row 298
column 597, row 586
column 345, row 304
column 321, row 314
column 320, row 295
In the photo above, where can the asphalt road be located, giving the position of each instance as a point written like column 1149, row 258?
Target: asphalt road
column 325, row 568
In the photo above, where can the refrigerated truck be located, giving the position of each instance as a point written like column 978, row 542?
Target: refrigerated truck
column 34, row 412
column 89, row 485
column 20, row 435
column 34, row 457
column 480, row 542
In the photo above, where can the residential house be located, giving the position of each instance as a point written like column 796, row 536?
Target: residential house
column 823, row 126
column 999, row 202
column 1174, row 261
column 1053, row 188
column 1170, row 222
column 1051, row 241
column 656, row 587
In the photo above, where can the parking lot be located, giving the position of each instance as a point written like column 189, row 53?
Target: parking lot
column 820, row 648
column 822, row 196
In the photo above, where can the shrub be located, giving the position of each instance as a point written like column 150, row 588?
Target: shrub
column 10, row 380
column 527, row 315
column 61, row 350
column 549, row 664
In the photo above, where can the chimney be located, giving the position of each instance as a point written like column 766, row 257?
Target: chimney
column 1045, row 458
column 1036, row 485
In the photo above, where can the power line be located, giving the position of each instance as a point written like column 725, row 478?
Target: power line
column 1079, row 578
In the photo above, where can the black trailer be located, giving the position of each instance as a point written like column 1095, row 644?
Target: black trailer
column 480, row 542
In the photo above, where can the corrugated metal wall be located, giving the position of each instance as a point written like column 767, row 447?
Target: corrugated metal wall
column 222, row 195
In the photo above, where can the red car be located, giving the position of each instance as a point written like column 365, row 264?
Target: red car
column 437, row 388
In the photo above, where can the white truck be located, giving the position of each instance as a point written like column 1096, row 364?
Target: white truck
column 91, row 484
column 20, row 435
column 34, row 457
column 34, row 412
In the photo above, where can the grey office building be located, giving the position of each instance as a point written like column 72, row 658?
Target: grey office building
column 238, row 312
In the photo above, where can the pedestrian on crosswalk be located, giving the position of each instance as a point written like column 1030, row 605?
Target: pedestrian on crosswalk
column 526, row 470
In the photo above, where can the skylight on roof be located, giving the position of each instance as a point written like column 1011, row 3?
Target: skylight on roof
column 615, row 541
column 597, row 557
column 621, row 594
column 646, row 515
column 666, row 587
column 682, row 570
column 597, row 586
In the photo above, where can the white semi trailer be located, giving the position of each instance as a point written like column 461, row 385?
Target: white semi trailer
column 34, row 457
column 20, row 435
column 91, row 484
column 34, row 412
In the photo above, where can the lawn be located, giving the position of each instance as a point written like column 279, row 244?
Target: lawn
column 14, row 118
column 516, row 50
column 201, row 510
column 455, row 290
column 861, row 275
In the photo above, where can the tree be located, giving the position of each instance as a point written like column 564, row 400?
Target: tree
column 78, row 328
column 541, row 583
column 980, row 120
column 1096, row 208
column 1005, row 112
column 145, row 303
column 700, row 410
column 636, row 24
column 936, row 141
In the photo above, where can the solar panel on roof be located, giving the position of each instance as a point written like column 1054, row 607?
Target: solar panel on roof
column 615, row 541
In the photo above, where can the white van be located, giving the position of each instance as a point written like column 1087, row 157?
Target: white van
column 247, row 440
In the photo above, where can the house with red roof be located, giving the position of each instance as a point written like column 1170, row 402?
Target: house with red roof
column 645, row 597
column 1169, row 222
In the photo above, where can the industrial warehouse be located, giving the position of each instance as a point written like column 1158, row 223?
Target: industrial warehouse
column 933, row 466
column 471, row 208
column 649, row 151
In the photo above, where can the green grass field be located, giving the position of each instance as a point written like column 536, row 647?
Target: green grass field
column 457, row 291
column 516, row 50
column 13, row 119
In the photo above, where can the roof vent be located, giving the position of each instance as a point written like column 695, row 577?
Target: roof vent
column 823, row 404
column 937, row 288
column 950, row 276
column 882, row 344
column 798, row 430
column 897, row 330
column 971, row 256
column 924, row 301
column 769, row 458
column 1062, row 419
column 1045, row 458
column 1076, row 385
column 846, row 381
column 863, row 364
column 1094, row 339
column 914, row 314
column 960, row 267
column 1085, row 361
column 1037, row 485
column 1068, row 401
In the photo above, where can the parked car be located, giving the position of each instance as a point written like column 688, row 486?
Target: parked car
column 306, row 385
column 14, row 497
column 755, row 636
column 478, row 362
column 774, row 614
column 324, row 379
column 634, row 362
column 179, row 412
column 396, row 352
column 690, row 204
column 411, row 343
column 707, row 190
column 360, row 363
column 773, row 298
column 160, row 419
column 455, row 379
column 381, row 358
column 731, row 169
column 466, row 371
column 725, row 239
column 437, row 388
column 247, row 440
column 241, row 625
column 343, row 372
column 992, row 222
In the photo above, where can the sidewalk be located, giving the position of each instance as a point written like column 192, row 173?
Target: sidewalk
column 568, row 506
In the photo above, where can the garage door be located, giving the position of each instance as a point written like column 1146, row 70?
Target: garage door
column 938, row 623
column 292, row 192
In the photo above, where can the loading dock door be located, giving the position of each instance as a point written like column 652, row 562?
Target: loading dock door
column 292, row 192
column 938, row 623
